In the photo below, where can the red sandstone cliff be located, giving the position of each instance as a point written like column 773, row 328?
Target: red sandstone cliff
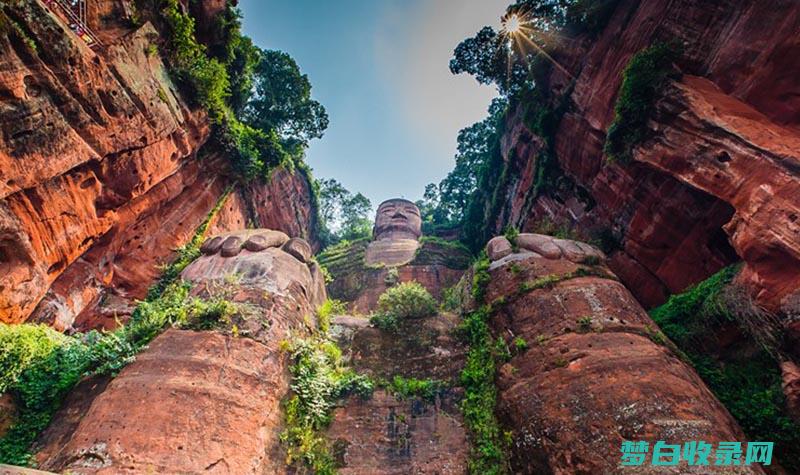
column 101, row 170
column 719, row 178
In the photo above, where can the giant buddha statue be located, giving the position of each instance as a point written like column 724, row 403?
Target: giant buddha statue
column 396, row 233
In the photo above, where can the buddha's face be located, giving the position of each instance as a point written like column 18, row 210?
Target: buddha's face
column 397, row 219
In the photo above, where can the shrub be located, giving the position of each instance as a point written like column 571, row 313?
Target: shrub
column 404, row 388
column 207, row 76
column 451, row 299
column 319, row 379
column 481, row 278
column 643, row 78
column 328, row 309
column 520, row 345
column 511, row 233
column 385, row 322
column 22, row 346
column 480, row 396
column 407, row 300
column 584, row 324
column 748, row 385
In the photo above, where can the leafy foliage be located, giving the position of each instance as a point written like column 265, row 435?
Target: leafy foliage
column 643, row 78
column 345, row 216
column 258, row 100
column 520, row 345
column 478, row 377
column 328, row 309
column 319, row 379
column 385, row 321
column 480, row 396
column 493, row 58
column 748, row 385
column 281, row 101
column 22, row 346
column 407, row 300
column 446, row 204
column 405, row 388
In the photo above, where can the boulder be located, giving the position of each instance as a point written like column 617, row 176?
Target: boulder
column 212, row 245
column 498, row 248
column 539, row 243
column 299, row 248
column 265, row 239
column 596, row 371
column 231, row 246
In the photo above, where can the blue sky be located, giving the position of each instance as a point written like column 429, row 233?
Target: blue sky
column 380, row 67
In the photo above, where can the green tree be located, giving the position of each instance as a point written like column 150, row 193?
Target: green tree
column 281, row 101
column 355, row 217
column 445, row 204
column 496, row 58
column 344, row 215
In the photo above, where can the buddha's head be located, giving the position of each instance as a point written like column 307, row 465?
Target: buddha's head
column 397, row 219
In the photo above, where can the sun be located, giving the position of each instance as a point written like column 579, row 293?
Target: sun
column 512, row 24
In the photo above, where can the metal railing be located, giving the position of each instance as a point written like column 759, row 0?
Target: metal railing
column 75, row 13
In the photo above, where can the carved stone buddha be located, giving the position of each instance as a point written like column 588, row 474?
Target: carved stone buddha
column 396, row 233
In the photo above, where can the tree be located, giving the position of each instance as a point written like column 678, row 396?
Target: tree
column 488, row 57
column 344, row 215
column 445, row 204
column 355, row 212
column 281, row 101
column 506, row 60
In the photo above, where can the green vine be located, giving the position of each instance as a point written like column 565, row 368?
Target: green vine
column 478, row 379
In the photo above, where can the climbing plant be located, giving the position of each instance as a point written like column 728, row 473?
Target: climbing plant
column 319, row 379
column 478, row 379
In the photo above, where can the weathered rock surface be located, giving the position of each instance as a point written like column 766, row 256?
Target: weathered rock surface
column 205, row 401
column 99, row 178
column 597, row 370
column 435, row 266
column 386, row 434
column 719, row 176
column 87, row 139
column 790, row 373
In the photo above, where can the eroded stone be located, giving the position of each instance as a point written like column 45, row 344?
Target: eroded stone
column 299, row 248
column 231, row 246
column 498, row 248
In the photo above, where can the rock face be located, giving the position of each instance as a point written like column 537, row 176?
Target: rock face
column 390, row 434
column 436, row 266
column 363, row 270
column 100, row 179
column 204, row 401
column 393, row 433
column 717, row 179
column 582, row 386
column 597, row 370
